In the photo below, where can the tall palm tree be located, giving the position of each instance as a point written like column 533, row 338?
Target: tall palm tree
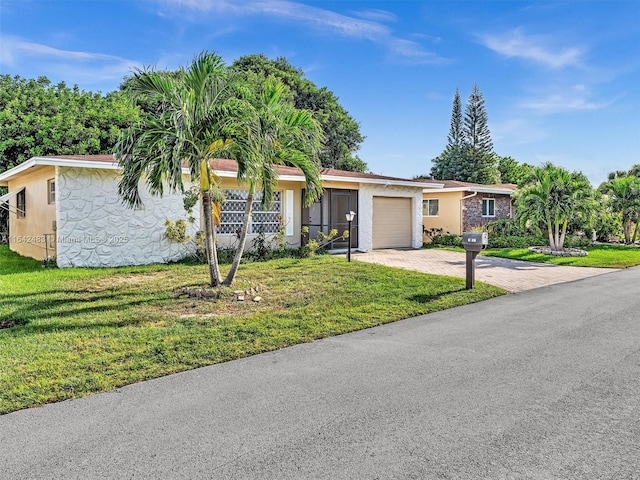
column 276, row 134
column 193, row 123
column 554, row 198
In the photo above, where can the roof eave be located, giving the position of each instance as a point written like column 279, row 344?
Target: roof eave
column 497, row 191
column 9, row 174
column 62, row 162
column 380, row 181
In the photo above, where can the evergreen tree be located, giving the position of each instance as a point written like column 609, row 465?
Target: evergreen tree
column 468, row 156
column 456, row 137
column 476, row 131
column 480, row 164
column 446, row 166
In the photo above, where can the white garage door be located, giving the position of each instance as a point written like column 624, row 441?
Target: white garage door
column 391, row 222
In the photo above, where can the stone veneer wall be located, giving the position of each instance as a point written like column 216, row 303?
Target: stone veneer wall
column 365, row 211
column 472, row 213
column 95, row 229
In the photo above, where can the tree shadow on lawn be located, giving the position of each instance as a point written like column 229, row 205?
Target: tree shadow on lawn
column 426, row 298
column 21, row 310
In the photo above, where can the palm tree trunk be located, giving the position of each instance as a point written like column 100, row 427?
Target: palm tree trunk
column 552, row 245
column 635, row 232
column 627, row 232
column 563, row 234
column 210, row 243
column 241, row 242
column 556, row 236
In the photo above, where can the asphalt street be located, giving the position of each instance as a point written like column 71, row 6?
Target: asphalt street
column 543, row 384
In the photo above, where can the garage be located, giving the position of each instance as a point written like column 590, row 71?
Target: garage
column 392, row 222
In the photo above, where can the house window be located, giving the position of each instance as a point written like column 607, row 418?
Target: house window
column 267, row 221
column 430, row 207
column 21, row 200
column 488, row 207
column 51, row 191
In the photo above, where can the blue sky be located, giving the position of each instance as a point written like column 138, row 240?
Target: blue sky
column 561, row 79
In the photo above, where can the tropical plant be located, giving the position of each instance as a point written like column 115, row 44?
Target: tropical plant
column 634, row 171
column 313, row 245
column 623, row 193
column 276, row 133
column 197, row 116
column 555, row 198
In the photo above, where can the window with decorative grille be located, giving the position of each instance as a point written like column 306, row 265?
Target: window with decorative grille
column 267, row 221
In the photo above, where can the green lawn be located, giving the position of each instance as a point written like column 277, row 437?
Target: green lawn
column 79, row 331
column 603, row 256
column 12, row 263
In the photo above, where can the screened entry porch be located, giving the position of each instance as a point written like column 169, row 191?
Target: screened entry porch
column 328, row 213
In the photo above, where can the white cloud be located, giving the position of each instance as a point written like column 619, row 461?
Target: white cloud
column 35, row 49
column 87, row 68
column 536, row 48
column 376, row 15
column 367, row 27
column 572, row 100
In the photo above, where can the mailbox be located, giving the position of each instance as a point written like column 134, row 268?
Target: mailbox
column 474, row 242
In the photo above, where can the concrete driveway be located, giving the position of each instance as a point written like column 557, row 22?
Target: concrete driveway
column 540, row 385
column 512, row 275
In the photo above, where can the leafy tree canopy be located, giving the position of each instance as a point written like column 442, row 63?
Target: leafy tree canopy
column 342, row 137
column 513, row 172
column 39, row 118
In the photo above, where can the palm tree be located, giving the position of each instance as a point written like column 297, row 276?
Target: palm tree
column 624, row 197
column 553, row 199
column 193, row 123
column 276, row 134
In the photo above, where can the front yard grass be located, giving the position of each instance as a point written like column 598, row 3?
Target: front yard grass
column 602, row 256
column 80, row 331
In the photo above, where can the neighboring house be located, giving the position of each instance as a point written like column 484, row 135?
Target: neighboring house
column 68, row 207
column 460, row 206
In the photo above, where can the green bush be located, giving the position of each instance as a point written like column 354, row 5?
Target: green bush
column 505, row 228
column 577, row 241
column 514, row 241
column 447, row 240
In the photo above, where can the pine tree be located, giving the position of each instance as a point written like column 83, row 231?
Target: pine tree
column 476, row 130
column 480, row 164
column 456, row 137
column 468, row 156
column 447, row 165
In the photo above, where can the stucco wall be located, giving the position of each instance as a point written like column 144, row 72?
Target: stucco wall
column 95, row 229
column 365, row 211
column 448, row 218
column 27, row 235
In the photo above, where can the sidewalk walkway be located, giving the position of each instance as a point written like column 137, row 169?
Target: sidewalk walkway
column 512, row 275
